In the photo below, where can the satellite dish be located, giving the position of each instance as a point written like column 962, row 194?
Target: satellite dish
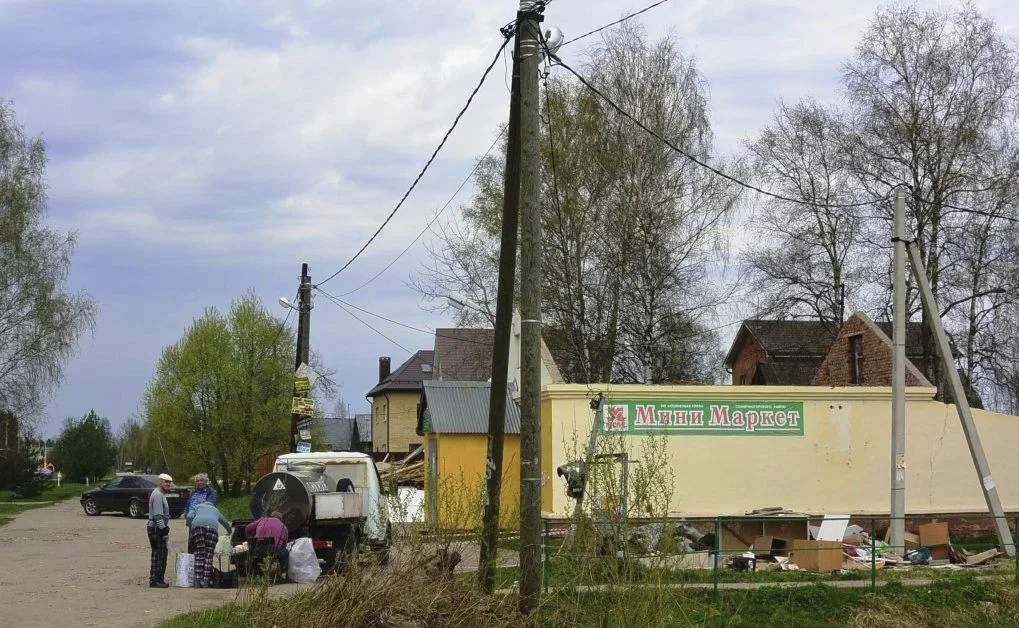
column 553, row 38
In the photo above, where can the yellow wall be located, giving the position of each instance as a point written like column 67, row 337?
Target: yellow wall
column 402, row 421
column 839, row 465
column 461, row 474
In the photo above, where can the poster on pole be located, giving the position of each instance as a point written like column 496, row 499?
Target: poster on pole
column 302, row 386
column 305, row 371
column 303, row 447
column 302, row 406
column 304, row 423
column 305, row 434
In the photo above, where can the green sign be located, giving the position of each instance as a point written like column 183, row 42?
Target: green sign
column 728, row 418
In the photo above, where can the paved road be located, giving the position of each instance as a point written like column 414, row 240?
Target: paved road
column 61, row 569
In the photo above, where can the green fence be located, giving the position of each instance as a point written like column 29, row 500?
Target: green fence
column 605, row 554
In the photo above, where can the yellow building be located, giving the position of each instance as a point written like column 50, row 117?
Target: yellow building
column 810, row 449
column 395, row 401
column 454, row 425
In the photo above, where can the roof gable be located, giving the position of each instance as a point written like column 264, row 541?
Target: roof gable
column 463, row 354
column 409, row 376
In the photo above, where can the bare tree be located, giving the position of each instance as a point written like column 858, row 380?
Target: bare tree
column 40, row 319
column 810, row 261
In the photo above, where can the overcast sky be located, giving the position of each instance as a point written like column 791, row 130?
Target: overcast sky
column 202, row 149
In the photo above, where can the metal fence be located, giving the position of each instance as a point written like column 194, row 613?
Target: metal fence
column 607, row 555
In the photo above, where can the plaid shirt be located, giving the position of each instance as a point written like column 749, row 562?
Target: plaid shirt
column 197, row 494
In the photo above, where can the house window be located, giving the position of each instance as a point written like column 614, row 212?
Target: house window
column 856, row 359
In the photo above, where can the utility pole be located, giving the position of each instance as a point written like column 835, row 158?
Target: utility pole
column 969, row 428
column 897, row 525
column 530, row 310
column 303, row 335
column 503, row 333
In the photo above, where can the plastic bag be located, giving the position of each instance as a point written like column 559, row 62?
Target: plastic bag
column 302, row 566
column 223, row 545
column 185, row 570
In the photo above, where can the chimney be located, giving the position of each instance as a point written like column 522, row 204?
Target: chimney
column 383, row 368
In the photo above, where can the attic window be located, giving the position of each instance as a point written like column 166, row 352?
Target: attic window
column 856, row 359
column 426, row 368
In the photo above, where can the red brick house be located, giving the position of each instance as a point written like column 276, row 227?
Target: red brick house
column 861, row 355
column 793, row 353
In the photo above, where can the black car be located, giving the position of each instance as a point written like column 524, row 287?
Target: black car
column 129, row 494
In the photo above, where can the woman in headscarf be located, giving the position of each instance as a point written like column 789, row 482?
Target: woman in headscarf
column 205, row 520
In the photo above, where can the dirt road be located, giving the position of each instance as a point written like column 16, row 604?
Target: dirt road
column 60, row 568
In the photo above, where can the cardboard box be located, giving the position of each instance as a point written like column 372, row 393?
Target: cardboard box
column 912, row 540
column 821, row 556
column 934, row 534
column 940, row 552
column 770, row 546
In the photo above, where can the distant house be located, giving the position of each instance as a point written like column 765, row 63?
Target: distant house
column 395, row 401
column 349, row 433
column 861, row 355
column 463, row 355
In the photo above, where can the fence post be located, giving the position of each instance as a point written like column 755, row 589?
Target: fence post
column 1016, row 553
column 718, row 557
column 873, row 557
column 548, row 558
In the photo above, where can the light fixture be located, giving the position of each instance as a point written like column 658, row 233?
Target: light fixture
column 553, row 38
column 284, row 302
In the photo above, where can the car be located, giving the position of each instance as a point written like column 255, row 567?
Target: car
column 129, row 494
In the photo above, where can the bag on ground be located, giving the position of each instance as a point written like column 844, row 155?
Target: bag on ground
column 185, row 570
column 302, row 566
column 223, row 545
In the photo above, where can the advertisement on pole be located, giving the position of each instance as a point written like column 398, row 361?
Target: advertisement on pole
column 302, row 406
column 704, row 418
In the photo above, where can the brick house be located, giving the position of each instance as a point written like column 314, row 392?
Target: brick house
column 862, row 355
column 792, row 353
column 463, row 354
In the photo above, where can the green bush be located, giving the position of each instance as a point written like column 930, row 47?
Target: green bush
column 85, row 448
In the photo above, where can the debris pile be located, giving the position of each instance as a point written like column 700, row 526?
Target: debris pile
column 407, row 472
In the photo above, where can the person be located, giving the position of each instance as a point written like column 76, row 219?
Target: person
column 204, row 520
column 202, row 491
column 158, row 529
column 269, row 536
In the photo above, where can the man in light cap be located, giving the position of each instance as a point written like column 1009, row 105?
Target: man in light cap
column 158, row 529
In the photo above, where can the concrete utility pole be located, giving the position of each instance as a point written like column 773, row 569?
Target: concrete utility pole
column 969, row 428
column 897, row 525
column 303, row 336
column 503, row 332
column 530, row 311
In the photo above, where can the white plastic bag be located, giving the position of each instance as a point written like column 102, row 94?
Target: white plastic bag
column 185, row 570
column 223, row 545
column 303, row 565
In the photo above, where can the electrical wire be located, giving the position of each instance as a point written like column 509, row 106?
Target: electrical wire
column 435, row 153
column 369, row 326
column 559, row 62
column 432, row 221
column 619, row 21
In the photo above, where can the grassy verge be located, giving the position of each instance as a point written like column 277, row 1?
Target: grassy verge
column 11, row 506
column 234, row 508
column 959, row 601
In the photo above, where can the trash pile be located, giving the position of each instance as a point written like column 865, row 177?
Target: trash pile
column 837, row 546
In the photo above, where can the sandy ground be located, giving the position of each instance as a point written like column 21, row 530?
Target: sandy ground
column 61, row 569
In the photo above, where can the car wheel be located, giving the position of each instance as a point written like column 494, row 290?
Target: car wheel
column 135, row 509
column 91, row 509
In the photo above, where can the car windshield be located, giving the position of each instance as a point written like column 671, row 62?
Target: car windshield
column 114, row 483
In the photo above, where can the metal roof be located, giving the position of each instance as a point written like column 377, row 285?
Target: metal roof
column 462, row 408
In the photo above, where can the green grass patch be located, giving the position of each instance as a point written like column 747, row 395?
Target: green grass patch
column 235, row 508
column 226, row 616
column 10, row 505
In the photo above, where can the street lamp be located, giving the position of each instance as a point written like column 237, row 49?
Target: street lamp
column 284, row 302
column 459, row 304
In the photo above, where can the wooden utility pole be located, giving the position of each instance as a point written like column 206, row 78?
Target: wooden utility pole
column 503, row 332
column 303, row 336
column 530, row 310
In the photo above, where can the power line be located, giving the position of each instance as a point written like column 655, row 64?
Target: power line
column 697, row 161
column 449, row 132
column 619, row 21
column 368, row 325
column 432, row 221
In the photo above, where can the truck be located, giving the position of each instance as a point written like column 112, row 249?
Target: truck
column 334, row 498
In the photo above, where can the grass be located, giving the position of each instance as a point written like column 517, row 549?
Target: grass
column 8, row 509
column 959, row 601
column 235, row 508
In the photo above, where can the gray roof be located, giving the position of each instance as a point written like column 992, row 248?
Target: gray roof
column 462, row 408
column 463, row 354
column 339, row 433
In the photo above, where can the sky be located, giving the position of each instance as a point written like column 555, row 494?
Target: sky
column 204, row 149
